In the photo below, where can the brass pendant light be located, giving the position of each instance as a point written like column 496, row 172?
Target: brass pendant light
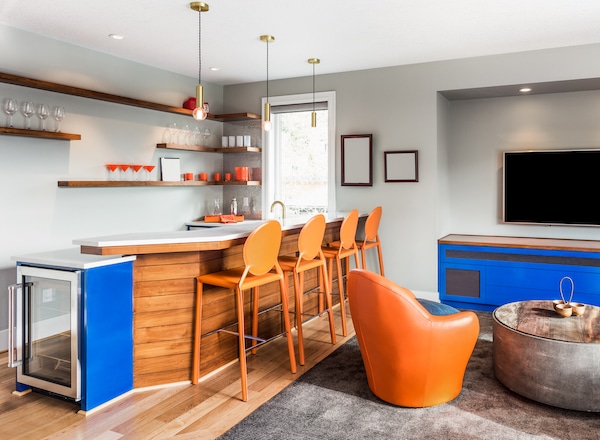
column 313, row 116
column 199, row 113
column 267, row 112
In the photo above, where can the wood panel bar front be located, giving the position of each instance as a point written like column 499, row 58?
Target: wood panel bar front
column 164, row 298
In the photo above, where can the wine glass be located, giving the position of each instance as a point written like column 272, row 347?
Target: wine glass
column 10, row 108
column 205, row 135
column 136, row 169
column 58, row 113
column 148, row 169
column 28, row 109
column 43, row 111
column 112, row 171
column 124, row 167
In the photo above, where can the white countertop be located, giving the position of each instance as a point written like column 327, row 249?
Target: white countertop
column 70, row 258
column 201, row 233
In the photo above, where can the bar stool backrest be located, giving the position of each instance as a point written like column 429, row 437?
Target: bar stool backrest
column 262, row 248
column 372, row 224
column 348, row 230
column 311, row 237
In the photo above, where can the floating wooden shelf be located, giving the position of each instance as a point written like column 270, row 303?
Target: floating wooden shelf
column 209, row 149
column 101, row 96
column 234, row 117
column 143, row 183
column 39, row 134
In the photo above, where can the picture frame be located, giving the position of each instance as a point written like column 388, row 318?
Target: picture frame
column 170, row 169
column 357, row 160
column 401, row 166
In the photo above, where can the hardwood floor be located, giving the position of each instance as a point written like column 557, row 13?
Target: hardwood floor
column 181, row 412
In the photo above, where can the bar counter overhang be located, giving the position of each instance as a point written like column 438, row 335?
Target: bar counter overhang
column 164, row 280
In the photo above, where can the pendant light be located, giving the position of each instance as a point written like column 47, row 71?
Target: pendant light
column 313, row 116
column 199, row 113
column 267, row 112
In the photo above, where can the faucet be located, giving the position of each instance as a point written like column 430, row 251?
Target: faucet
column 277, row 202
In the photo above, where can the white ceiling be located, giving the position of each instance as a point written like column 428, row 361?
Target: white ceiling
column 345, row 34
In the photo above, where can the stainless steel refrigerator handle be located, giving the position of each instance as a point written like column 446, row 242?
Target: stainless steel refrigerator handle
column 12, row 295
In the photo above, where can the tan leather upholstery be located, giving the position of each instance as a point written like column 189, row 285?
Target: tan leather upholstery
column 412, row 358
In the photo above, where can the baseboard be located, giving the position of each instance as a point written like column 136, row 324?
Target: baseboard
column 431, row 296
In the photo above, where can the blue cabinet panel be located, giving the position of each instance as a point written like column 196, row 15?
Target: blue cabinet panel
column 107, row 345
column 510, row 274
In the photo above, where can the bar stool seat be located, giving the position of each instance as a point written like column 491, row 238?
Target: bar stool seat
column 310, row 256
column 371, row 238
column 343, row 250
column 260, row 268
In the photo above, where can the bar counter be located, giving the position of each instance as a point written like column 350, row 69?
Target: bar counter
column 164, row 280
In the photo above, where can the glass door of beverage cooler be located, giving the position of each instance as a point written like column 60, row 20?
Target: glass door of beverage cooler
column 44, row 348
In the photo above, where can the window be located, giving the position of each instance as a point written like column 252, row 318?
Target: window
column 299, row 160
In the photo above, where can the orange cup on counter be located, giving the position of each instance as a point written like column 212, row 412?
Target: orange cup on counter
column 241, row 174
column 217, row 177
column 227, row 177
column 203, row 176
column 189, row 176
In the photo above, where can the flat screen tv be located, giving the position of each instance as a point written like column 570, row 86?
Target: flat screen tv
column 552, row 187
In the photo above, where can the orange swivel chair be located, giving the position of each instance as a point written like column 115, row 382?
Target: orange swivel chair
column 412, row 358
column 371, row 238
column 310, row 256
column 340, row 250
column 260, row 267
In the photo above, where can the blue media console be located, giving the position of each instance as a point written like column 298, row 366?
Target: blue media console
column 483, row 272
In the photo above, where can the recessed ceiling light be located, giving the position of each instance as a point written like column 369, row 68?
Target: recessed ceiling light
column 525, row 89
column 215, row 69
column 116, row 36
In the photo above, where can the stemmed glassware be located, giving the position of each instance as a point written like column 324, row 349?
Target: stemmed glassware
column 10, row 108
column 58, row 113
column 148, row 169
column 43, row 111
column 28, row 110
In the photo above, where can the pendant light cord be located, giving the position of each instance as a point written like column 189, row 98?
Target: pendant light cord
column 313, row 87
column 199, row 49
column 267, row 70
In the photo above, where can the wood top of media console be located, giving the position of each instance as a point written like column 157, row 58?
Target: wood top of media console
column 522, row 242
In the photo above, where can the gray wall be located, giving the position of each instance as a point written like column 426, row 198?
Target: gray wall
column 458, row 145
column 39, row 216
column 458, row 142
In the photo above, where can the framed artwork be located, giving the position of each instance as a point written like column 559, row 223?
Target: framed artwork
column 357, row 160
column 401, row 166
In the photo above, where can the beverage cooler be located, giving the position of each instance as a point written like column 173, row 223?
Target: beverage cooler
column 71, row 326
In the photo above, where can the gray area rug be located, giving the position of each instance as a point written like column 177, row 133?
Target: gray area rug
column 333, row 401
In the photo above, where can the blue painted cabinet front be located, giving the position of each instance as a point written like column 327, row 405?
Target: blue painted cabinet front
column 107, row 342
column 484, row 277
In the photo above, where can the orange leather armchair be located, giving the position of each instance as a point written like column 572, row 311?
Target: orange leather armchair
column 412, row 358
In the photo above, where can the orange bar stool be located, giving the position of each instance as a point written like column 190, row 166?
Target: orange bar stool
column 260, row 267
column 342, row 250
column 371, row 239
column 310, row 256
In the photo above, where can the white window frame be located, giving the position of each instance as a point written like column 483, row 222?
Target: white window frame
column 268, row 158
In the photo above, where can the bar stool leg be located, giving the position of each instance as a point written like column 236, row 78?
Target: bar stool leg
column 286, row 322
column 299, row 298
column 324, row 286
column 197, row 334
column 342, row 296
column 241, row 343
column 255, row 298
column 380, row 255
